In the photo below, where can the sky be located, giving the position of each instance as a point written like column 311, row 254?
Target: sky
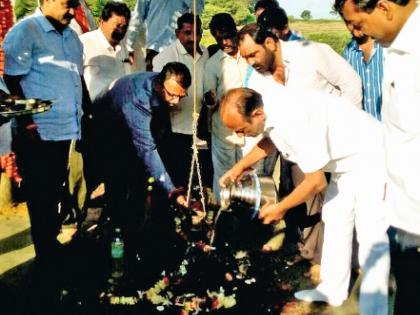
column 319, row 8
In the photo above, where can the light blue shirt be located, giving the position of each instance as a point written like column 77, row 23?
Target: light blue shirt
column 371, row 73
column 51, row 65
column 158, row 18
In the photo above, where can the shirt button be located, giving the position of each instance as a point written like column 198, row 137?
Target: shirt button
column 367, row 70
column 368, row 84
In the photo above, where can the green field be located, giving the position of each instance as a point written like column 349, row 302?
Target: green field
column 331, row 32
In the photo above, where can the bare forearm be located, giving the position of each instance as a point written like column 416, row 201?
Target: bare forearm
column 299, row 195
column 260, row 151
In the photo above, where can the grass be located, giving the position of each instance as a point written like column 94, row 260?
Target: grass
column 331, row 32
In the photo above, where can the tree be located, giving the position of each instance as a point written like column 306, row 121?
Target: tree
column 24, row 7
column 239, row 9
column 306, row 15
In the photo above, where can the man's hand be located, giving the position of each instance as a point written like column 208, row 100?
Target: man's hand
column 210, row 98
column 231, row 176
column 270, row 213
column 182, row 201
column 131, row 58
column 177, row 195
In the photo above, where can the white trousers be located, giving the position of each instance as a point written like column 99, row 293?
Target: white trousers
column 355, row 199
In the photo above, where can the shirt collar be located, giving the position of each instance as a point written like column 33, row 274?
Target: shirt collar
column 45, row 23
column 155, row 100
column 181, row 49
column 405, row 41
column 355, row 46
column 105, row 42
column 224, row 55
column 285, row 51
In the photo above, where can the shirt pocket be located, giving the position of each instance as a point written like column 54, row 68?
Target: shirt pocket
column 404, row 98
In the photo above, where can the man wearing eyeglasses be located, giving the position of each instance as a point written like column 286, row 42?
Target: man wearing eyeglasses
column 128, row 141
column 130, row 127
column 182, row 50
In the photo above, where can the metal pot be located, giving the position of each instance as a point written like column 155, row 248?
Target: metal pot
column 252, row 190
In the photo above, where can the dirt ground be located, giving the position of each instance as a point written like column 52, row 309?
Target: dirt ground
column 16, row 259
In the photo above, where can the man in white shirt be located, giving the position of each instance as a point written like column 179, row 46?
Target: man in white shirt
column 395, row 24
column 158, row 19
column 104, row 58
column 182, row 50
column 317, row 132
column 225, row 70
column 301, row 65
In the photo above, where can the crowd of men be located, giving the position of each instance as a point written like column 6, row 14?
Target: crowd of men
column 263, row 93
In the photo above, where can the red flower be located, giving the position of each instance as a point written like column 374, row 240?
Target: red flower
column 166, row 280
column 214, row 303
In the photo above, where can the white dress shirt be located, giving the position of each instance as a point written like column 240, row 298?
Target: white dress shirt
column 222, row 73
column 101, row 62
column 317, row 131
column 317, row 66
column 401, row 119
column 312, row 65
column 181, row 116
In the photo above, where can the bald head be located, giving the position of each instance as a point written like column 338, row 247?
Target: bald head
column 242, row 111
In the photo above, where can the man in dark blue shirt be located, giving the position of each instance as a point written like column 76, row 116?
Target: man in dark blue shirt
column 126, row 138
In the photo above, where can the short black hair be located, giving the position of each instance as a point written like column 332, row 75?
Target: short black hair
column 223, row 23
column 246, row 101
column 177, row 69
column 266, row 4
column 187, row 18
column 257, row 32
column 117, row 8
column 275, row 18
column 365, row 5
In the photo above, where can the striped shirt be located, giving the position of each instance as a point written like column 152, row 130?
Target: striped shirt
column 371, row 73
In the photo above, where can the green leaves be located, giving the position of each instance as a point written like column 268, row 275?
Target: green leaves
column 241, row 10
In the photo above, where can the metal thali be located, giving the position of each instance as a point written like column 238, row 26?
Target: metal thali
column 12, row 108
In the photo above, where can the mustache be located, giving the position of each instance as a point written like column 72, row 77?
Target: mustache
column 68, row 16
column 117, row 35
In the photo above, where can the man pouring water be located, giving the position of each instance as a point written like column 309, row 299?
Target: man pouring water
column 320, row 133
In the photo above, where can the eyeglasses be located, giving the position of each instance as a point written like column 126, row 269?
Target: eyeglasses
column 172, row 95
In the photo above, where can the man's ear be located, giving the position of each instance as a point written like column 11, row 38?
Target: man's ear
column 385, row 7
column 176, row 32
column 270, row 43
column 285, row 30
column 257, row 112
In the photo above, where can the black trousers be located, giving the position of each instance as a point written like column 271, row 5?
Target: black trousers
column 405, row 265
column 178, row 159
column 43, row 165
column 150, row 54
